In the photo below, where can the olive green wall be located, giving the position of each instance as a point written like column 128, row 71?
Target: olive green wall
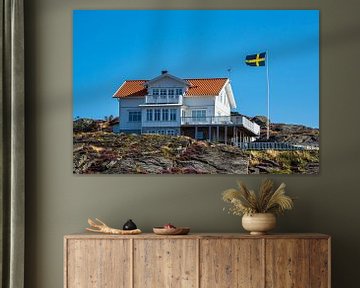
column 59, row 202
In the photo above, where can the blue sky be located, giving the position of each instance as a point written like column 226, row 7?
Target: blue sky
column 110, row 46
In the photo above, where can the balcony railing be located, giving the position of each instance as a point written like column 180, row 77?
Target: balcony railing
column 206, row 120
column 249, row 125
column 222, row 120
column 163, row 99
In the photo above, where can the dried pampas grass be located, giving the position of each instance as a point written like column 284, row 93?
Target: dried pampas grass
column 267, row 200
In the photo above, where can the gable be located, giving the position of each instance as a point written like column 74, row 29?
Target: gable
column 166, row 81
column 166, row 77
column 230, row 95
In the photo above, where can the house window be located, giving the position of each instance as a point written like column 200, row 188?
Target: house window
column 171, row 132
column 179, row 91
column 157, row 115
column 155, row 92
column 171, row 93
column 135, row 116
column 198, row 115
column 149, row 115
column 163, row 92
column 172, row 114
column 165, row 114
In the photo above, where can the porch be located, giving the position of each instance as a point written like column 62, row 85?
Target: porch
column 222, row 121
column 227, row 134
column 222, row 129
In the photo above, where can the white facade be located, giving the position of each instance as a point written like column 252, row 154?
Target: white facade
column 126, row 107
column 167, row 106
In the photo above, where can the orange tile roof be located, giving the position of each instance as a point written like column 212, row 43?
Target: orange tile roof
column 205, row 86
column 198, row 87
column 131, row 88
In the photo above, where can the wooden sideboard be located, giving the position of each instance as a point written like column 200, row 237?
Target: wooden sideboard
column 197, row 260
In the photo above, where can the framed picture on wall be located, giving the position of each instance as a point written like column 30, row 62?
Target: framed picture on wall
column 196, row 92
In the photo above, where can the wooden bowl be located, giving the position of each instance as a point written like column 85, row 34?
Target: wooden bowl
column 259, row 223
column 171, row 231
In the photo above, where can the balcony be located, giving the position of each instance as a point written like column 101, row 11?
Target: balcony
column 223, row 120
column 246, row 123
column 164, row 99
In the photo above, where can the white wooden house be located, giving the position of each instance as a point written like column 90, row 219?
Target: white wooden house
column 199, row 108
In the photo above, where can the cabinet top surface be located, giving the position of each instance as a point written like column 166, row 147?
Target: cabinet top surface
column 87, row 235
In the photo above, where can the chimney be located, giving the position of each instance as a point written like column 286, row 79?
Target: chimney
column 164, row 72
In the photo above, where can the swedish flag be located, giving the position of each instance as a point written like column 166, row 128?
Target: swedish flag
column 256, row 59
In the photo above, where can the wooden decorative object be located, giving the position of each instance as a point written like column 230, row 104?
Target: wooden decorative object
column 101, row 227
column 197, row 261
column 171, row 231
column 259, row 223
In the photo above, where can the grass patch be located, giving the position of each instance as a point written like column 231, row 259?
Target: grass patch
column 283, row 162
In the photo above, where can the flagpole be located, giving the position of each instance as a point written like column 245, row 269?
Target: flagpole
column 268, row 96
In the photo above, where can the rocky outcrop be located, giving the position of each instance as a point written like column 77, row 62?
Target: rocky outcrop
column 85, row 125
column 92, row 125
column 108, row 153
column 288, row 133
column 96, row 150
